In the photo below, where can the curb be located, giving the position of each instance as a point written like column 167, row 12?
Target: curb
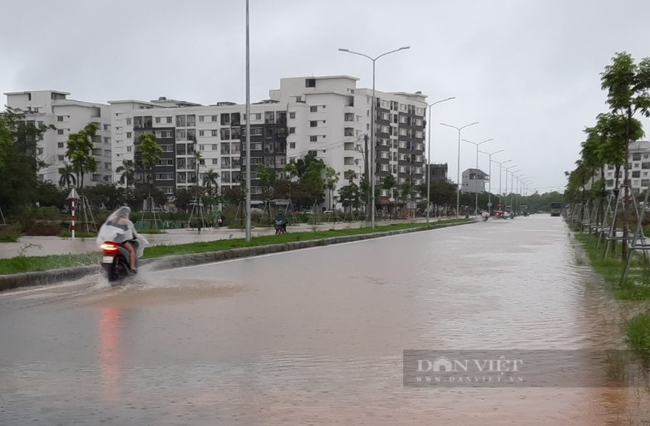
column 29, row 279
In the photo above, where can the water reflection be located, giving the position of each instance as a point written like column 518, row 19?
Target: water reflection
column 109, row 351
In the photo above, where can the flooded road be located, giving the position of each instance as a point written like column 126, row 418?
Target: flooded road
column 316, row 337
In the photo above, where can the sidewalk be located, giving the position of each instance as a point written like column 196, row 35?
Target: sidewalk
column 43, row 246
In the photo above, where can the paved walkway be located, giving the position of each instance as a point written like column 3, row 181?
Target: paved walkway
column 42, row 246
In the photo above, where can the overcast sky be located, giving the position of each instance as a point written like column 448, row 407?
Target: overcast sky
column 527, row 70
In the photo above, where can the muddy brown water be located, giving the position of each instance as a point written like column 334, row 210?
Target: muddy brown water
column 315, row 337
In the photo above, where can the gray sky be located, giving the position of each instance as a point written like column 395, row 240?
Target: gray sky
column 527, row 70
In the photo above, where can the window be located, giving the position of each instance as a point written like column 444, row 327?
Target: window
column 59, row 131
column 105, row 126
column 180, row 120
column 157, row 120
column 313, row 139
column 225, row 134
column 169, row 120
column 292, row 115
column 292, row 145
column 60, row 145
column 107, row 139
column 129, row 135
column 201, row 118
column 636, row 174
column 129, row 149
column 201, row 133
column 313, row 123
column 59, row 118
column 257, row 116
column 310, row 82
column 258, row 131
column 128, row 121
column 636, row 157
column 214, row 118
column 225, row 119
column 292, row 130
column 61, row 157
column 313, row 109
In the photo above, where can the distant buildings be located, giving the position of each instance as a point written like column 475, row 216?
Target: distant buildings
column 473, row 180
column 328, row 116
column 68, row 116
column 638, row 172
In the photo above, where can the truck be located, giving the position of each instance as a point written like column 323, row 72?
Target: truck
column 556, row 209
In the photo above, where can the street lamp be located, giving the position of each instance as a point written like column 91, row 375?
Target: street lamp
column 477, row 144
column 490, row 174
column 501, row 173
column 458, row 171
column 512, row 173
column 372, row 125
column 248, row 128
column 429, row 154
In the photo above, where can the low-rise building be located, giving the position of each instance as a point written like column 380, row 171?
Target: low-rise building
column 473, row 180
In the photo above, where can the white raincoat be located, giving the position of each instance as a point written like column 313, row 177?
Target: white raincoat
column 118, row 228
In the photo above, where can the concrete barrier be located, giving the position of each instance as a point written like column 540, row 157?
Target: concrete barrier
column 8, row 282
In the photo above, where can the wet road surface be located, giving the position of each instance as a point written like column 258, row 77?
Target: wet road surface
column 315, row 337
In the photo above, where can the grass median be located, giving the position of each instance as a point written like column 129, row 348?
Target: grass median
column 21, row 264
column 635, row 287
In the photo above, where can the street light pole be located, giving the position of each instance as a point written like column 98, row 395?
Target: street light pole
column 248, row 129
column 429, row 154
column 500, row 174
column 372, row 126
column 490, row 174
column 477, row 144
column 458, row 129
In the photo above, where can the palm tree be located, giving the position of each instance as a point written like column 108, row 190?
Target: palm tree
column 67, row 178
column 210, row 181
column 127, row 170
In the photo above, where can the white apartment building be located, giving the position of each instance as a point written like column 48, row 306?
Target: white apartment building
column 52, row 107
column 328, row 116
column 638, row 168
column 332, row 117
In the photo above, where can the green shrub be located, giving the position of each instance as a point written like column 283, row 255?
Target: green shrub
column 9, row 233
column 638, row 331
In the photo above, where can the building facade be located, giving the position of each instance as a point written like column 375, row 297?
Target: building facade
column 638, row 169
column 473, row 180
column 327, row 116
column 68, row 116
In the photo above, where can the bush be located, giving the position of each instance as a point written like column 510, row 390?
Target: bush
column 9, row 234
column 43, row 228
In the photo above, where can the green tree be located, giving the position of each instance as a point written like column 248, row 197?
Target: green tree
column 18, row 161
column 67, row 177
column 80, row 152
column 307, row 177
column 388, row 183
column 127, row 173
column 149, row 153
column 331, row 180
column 210, row 182
column 628, row 94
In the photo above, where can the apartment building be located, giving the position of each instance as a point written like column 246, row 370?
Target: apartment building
column 332, row 117
column 52, row 107
column 638, row 168
column 328, row 116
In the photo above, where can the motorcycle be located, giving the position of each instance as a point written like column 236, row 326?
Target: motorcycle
column 116, row 259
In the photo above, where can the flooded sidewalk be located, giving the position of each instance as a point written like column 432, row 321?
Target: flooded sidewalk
column 43, row 246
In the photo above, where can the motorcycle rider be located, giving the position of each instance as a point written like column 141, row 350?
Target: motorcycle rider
column 280, row 224
column 119, row 229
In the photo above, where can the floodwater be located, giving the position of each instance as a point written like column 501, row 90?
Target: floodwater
column 316, row 337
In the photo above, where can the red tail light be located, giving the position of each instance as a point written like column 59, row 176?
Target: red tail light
column 108, row 247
